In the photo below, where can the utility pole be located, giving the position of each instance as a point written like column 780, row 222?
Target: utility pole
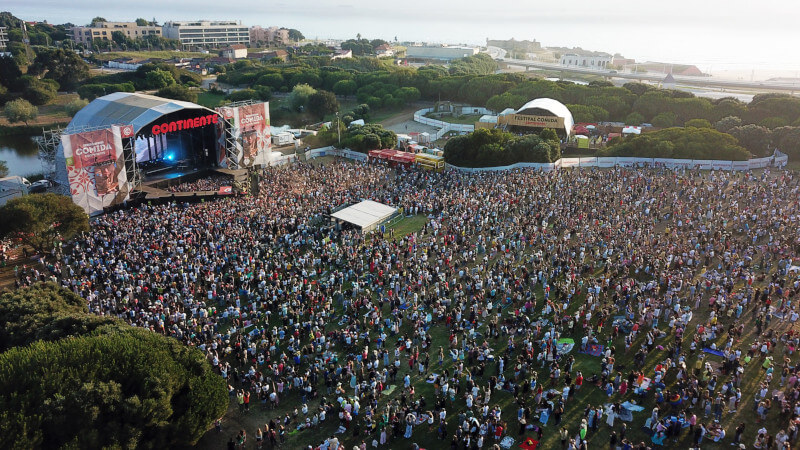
column 338, row 129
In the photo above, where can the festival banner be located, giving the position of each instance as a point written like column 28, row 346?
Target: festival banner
column 95, row 167
column 90, row 148
column 249, row 128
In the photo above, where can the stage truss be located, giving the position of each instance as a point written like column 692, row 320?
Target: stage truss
column 48, row 146
column 231, row 151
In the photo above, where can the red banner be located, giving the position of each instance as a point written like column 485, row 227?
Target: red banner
column 92, row 148
column 105, row 179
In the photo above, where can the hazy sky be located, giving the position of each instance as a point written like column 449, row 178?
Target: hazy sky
column 713, row 34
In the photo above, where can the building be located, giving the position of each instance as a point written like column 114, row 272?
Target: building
column 204, row 33
column 3, row 39
column 587, row 61
column 384, row 50
column 269, row 36
column 235, row 51
column 440, row 53
column 104, row 31
column 342, row 54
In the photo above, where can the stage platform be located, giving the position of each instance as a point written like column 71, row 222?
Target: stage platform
column 156, row 186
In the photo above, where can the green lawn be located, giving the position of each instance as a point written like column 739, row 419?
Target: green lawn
column 210, row 99
column 408, row 225
column 467, row 119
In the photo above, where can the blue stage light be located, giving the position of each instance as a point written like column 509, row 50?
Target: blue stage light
column 171, row 157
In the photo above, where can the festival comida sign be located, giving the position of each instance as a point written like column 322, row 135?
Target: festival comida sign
column 95, row 167
column 525, row 120
column 249, row 128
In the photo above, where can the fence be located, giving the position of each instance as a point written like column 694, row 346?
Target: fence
column 333, row 151
column 444, row 127
column 778, row 159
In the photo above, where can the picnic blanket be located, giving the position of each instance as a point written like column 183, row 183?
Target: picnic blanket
column 624, row 413
column 528, row 444
column 713, row 352
column 564, row 346
column 632, row 407
column 432, row 378
column 594, row 350
column 507, row 442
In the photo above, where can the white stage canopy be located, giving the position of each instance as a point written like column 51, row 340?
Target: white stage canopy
column 365, row 215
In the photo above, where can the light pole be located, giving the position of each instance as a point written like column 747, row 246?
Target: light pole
column 338, row 129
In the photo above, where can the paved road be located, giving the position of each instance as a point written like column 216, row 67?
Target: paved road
column 692, row 81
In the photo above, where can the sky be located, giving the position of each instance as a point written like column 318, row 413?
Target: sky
column 715, row 35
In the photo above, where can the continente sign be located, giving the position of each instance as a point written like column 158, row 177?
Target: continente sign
column 185, row 124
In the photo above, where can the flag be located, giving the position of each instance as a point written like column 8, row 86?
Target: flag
column 225, row 190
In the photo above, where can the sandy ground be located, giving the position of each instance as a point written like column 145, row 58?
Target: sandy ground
column 404, row 123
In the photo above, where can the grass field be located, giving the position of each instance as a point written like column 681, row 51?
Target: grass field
column 53, row 112
column 210, row 99
column 466, row 119
column 588, row 395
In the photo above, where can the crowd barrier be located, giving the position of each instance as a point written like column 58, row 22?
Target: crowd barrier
column 777, row 160
column 444, row 127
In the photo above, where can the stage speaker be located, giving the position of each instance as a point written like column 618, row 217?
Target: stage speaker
column 255, row 183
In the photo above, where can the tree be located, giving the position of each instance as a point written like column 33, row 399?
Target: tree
column 119, row 38
column 322, row 103
column 109, row 385
column 177, row 92
column 20, row 111
column 756, row 139
column 97, row 19
column 698, row 123
column 39, row 92
column 74, row 106
column 680, row 143
column 345, row 87
column 141, row 22
column 10, row 73
column 727, row 123
column 664, row 119
column 3, row 169
column 63, row 66
column 158, row 79
column 300, row 95
column 295, row 35
column 42, row 220
column 634, row 118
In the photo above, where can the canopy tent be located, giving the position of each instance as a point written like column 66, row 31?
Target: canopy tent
column 365, row 215
column 632, row 130
column 393, row 156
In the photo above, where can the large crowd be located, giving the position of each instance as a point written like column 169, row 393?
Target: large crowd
column 514, row 278
column 210, row 183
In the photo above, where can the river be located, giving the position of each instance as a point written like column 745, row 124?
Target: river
column 21, row 154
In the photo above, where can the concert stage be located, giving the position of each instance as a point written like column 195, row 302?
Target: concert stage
column 156, row 186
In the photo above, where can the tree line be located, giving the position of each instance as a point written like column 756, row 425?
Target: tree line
column 69, row 378
column 495, row 147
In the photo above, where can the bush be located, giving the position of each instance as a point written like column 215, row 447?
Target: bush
column 74, row 106
column 489, row 148
column 698, row 123
column 109, row 385
column 178, row 92
column 681, row 143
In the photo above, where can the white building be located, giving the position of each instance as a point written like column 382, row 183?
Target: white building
column 236, row 51
column 105, row 30
column 3, row 39
column 589, row 62
column 204, row 33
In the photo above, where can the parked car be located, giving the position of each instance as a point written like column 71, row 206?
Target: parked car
column 40, row 186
